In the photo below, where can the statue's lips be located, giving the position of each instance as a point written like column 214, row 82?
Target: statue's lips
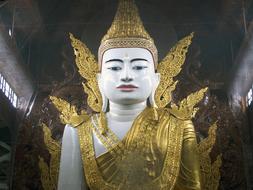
column 127, row 87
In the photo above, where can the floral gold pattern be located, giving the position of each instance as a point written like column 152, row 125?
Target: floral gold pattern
column 68, row 112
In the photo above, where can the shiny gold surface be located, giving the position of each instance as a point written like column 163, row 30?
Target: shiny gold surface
column 128, row 43
column 126, row 23
column 154, row 155
column 68, row 112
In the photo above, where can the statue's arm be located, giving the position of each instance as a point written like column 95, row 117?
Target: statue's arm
column 189, row 175
column 71, row 174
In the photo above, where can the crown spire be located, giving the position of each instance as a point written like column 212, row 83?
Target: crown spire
column 127, row 23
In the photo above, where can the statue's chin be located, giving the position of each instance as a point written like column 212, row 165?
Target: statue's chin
column 128, row 101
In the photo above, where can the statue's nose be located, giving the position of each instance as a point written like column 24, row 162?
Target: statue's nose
column 126, row 79
column 126, row 75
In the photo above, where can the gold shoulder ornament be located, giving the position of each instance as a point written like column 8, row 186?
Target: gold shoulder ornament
column 68, row 112
column 68, row 115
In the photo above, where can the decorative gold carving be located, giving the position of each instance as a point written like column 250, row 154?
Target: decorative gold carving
column 186, row 108
column 88, row 69
column 127, row 43
column 127, row 30
column 210, row 171
column 68, row 112
column 169, row 67
column 107, row 137
column 49, row 174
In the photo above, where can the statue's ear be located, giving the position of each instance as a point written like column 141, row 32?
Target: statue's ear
column 104, row 98
column 157, row 80
column 151, row 98
column 98, row 79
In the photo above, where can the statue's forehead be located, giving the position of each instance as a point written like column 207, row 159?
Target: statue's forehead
column 128, row 52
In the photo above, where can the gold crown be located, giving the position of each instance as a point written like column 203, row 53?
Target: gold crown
column 127, row 31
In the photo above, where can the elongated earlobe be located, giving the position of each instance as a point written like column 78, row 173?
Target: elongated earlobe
column 104, row 99
column 105, row 103
column 151, row 98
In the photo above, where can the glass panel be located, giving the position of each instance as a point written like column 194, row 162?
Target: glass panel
column 7, row 88
column 1, row 81
column 8, row 92
column 250, row 97
column 15, row 100
column 4, row 85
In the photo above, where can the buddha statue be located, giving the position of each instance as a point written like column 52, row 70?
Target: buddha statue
column 133, row 142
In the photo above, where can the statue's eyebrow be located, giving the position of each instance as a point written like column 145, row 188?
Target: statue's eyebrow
column 113, row 60
column 138, row 59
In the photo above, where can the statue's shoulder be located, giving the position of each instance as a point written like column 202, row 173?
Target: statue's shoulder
column 80, row 121
column 180, row 114
column 181, row 120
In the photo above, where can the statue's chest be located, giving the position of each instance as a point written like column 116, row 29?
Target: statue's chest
column 120, row 130
column 140, row 159
column 130, row 152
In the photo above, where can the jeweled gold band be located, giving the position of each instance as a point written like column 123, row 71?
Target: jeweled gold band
column 127, row 43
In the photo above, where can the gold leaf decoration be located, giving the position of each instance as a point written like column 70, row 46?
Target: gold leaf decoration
column 186, row 108
column 210, row 173
column 68, row 113
column 49, row 174
column 88, row 69
column 169, row 67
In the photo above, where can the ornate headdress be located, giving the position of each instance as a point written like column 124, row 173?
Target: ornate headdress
column 127, row 31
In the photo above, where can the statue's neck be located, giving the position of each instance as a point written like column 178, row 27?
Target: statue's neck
column 124, row 113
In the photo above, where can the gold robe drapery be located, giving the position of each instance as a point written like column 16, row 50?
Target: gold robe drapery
column 153, row 155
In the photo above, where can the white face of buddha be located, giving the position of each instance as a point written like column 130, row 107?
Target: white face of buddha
column 127, row 75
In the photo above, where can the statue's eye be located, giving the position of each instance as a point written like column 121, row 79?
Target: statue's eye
column 115, row 68
column 139, row 67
